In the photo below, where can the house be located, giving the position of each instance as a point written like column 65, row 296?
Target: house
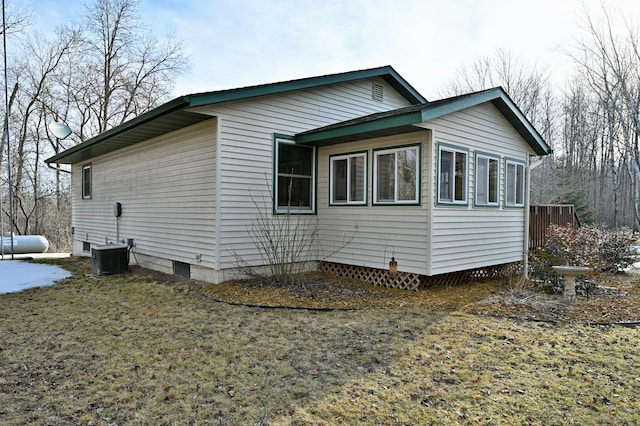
column 440, row 186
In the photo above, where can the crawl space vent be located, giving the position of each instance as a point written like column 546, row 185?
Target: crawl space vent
column 377, row 92
column 181, row 269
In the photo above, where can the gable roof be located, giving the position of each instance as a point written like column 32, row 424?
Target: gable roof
column 403, row 120
column 174, row 115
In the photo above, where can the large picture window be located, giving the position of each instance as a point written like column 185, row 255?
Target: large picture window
column 514, row 184
column 348, row 174
column 86, row 181
column 396, row 175
column 295, row 172
column 453, row 166
column 487, row 177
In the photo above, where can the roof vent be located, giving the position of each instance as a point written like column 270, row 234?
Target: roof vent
column 377, row 92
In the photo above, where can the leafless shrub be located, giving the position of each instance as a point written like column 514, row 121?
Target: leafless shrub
column 287, row 243
column 519, row 287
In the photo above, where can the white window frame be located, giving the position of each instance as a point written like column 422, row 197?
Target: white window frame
column 86, row 189
column 452, row 175
column 395, row 150
column 332, row 164
column 486, row 179
column 278, row 174
column 512, row 185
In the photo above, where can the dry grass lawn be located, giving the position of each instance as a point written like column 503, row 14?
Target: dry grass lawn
column 145, row 349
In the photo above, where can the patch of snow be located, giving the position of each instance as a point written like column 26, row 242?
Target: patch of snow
column 17, row 275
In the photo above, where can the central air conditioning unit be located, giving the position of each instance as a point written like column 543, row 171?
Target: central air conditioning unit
column 110, row 259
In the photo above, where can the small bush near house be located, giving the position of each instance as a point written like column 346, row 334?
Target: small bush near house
column 598, row 249
column 615, row 249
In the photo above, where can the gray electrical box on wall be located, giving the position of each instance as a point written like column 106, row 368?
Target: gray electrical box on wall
column 110, row 259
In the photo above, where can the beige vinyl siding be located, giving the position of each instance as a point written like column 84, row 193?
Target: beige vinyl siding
column 462, row 241
column 246, row 133
column 167, row 189
column 481, row 128
column 373, row 230
column 467, row 237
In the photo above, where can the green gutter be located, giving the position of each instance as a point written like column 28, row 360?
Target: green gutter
column 433, row 110
column 523, row 126
column 364, row 127
column 168, row 108
column 387, row 73
column 504, row 104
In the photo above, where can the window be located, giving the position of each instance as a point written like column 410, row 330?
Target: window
column 487, row 176
column 86, row 181
column 348, row 174
column 514, row 184
column 295, row 171
column 452, row 181
column 396, row 175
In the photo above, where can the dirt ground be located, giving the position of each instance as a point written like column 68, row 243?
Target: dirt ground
column 617, row 299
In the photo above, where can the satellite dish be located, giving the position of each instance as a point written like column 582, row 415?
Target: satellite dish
column 59, row 129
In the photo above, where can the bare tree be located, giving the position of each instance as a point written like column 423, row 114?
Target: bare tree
column 530, row 88
column 32, row 74
column 127, row 71
column 17, row 19
column 611, row 64
column 527, row 84
column 93, row 75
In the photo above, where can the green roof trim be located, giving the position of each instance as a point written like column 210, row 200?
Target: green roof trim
column 387, row 73
column 335, row 135
column 403, row 120
column 173, row 115
column 167, row 117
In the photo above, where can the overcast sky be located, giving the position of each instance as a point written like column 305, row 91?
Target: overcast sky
column 234, row 43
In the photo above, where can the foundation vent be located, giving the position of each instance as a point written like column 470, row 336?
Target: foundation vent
column 377, row 92
column 181, row 269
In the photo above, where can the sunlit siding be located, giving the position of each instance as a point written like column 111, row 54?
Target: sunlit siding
column 469, row 236
column 369, row 235
column 247, row 129
column 167, row 189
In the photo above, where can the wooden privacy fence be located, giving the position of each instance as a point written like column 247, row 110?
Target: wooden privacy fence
column 541, row 216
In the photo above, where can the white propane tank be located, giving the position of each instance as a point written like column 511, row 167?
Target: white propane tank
column 23, row 244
